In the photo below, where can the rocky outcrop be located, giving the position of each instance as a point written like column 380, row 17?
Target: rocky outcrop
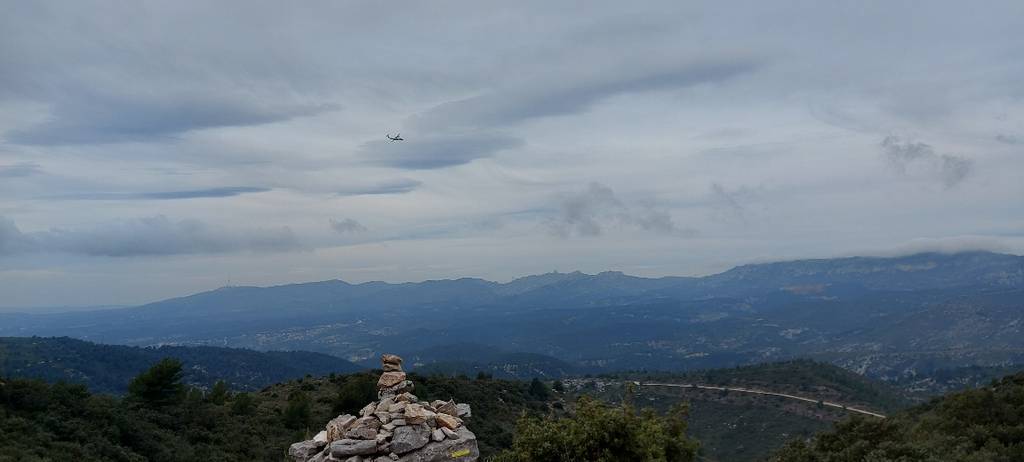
column 396, row 427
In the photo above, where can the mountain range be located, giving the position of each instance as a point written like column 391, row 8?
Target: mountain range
column 889, row 318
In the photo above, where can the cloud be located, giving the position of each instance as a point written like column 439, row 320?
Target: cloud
column 436, row 151
column 156, row 235
column 588, row 213
column 19, row 170
column 347, row 226
column 12, row 241
column 396, row 186
column 1008, row 139
column 901, row 153
column 229, row 191
column 947, row 245
column 655, row 221
column 577, row 87
column 954, row 169
column 730, row 200
column 905, row 155
column 90, row 118
column 581, row 213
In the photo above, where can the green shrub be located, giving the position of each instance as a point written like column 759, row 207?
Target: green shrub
column 600, row 433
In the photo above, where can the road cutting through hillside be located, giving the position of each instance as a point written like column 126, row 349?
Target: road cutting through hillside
column 760, row 392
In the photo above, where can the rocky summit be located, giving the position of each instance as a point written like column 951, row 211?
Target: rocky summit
column 396, row 427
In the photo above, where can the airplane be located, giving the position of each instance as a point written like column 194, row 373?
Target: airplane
column 397, row 137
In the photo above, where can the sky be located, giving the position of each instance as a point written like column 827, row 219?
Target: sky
column 155, row 149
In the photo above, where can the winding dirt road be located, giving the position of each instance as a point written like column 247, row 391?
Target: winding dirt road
column 760, row 392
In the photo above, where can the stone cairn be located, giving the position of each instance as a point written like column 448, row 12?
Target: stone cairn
column 397, row 427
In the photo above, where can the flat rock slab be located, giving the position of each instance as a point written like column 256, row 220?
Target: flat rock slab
column 409, row 438
column 347, row 448
column 447, row 421
column 449, row 408
column 463, row 449
column 390, row 379
column 304, row 449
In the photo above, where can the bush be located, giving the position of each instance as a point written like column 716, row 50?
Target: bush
column 357, row 390
column 538, row 390
column 242, row 404
column 298, row 412
column 602, row 433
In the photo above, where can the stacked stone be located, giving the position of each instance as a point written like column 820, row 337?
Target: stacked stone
column 397, row 427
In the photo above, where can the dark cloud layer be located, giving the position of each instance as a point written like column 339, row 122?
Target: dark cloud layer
column 106, row 73
column 729, row 200
column 904, row 155
column 347, row 226
column 436, row 151
column 576, row 91
column 87, row 118
column 156, row 235
column 228, row 191
column 590, row 212
column 582, row 213
column 19, row 170
column 396, row 186
column 1009, row 139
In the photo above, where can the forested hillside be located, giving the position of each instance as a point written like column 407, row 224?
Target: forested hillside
column 979, row 425
column 163, row 420
column 801, row 377
column 744, row 427
column 108, row 368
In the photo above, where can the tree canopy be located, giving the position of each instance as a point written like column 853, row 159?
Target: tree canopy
column 602, row 433
column 160, row 385
column 980, row 425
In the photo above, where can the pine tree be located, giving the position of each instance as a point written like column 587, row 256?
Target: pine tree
column 297, row 413
column 219, row 393
column 538, row 390
column 160, row 385
column 242, row 404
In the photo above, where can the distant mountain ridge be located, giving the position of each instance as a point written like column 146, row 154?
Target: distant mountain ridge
column 881, row 316
column 912, row 272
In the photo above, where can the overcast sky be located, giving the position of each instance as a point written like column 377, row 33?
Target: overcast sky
column 154, row 149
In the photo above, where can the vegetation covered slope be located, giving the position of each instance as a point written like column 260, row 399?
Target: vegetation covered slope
column 162, row 419
column 108, row 368
column 801, row 377
column 979, row 425
column 742, row 427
